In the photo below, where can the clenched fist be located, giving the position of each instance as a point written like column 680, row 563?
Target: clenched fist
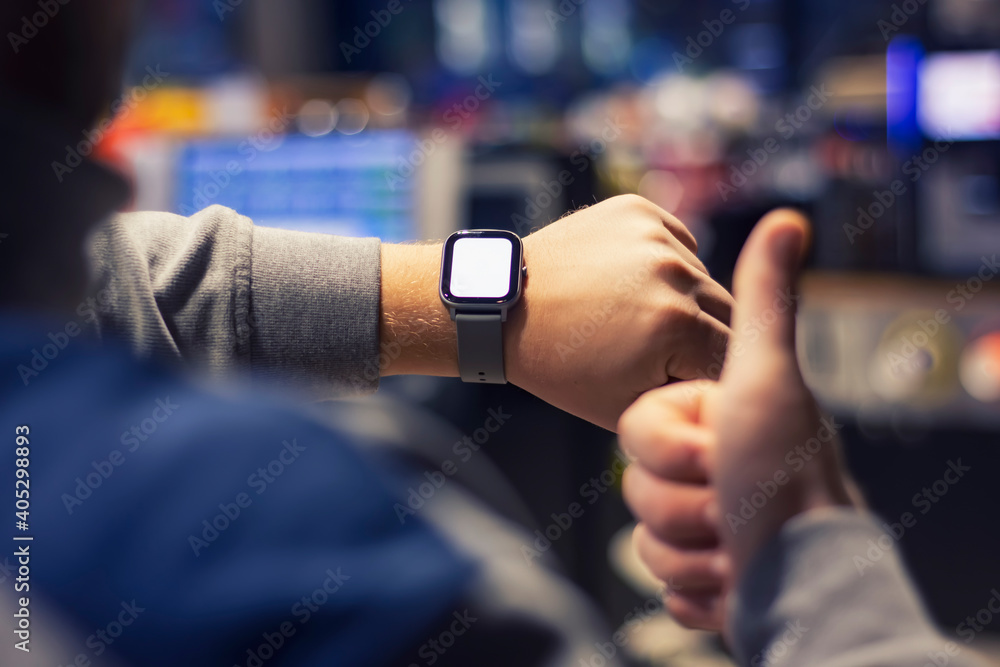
column 616, row 303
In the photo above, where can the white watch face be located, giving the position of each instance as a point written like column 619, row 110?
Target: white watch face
column 480, row 267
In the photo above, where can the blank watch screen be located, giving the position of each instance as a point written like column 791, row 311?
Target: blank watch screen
column 480, row 267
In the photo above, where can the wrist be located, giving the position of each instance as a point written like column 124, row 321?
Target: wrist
column 416, row 332
column 516, row 352
column 417, row 335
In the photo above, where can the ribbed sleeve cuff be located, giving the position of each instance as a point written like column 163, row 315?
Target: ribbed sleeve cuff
column 314, row 312
column 830, row 584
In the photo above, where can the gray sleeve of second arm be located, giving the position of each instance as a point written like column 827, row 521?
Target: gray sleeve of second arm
column 213, row 291
column 830, row 591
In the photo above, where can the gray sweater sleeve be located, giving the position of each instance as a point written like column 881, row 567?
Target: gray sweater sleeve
column 830, row 591
column 291, row 309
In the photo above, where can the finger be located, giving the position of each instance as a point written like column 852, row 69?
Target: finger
column 713, row 299
column 690, row 572
column 661, row 431
column 698, row 345
column 698, row 612
column 674, row 513
column 764, row 285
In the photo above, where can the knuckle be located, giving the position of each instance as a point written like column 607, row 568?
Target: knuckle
column 677, row 316
column 677, row 272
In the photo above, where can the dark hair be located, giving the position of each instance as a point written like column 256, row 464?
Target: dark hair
column 67, row 55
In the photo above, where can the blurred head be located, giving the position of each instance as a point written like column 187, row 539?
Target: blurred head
column 66, row 57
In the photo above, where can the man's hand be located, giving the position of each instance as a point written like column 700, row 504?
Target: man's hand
column 756, row 435
column 765, row 421
column 615, row 304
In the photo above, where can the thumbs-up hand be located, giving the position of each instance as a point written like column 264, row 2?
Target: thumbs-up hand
column 775, row 455
column 720, row 466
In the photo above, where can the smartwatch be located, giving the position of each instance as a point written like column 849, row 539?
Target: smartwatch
column 481, row 278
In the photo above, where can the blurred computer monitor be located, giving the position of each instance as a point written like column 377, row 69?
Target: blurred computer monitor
column 334, row 184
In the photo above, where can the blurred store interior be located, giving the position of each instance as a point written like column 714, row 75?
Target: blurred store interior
column 408, row 119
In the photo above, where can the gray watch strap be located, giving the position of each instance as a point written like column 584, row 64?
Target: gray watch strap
column 480, row 347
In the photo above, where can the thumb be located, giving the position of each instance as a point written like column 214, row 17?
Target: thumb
column 764, row 286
